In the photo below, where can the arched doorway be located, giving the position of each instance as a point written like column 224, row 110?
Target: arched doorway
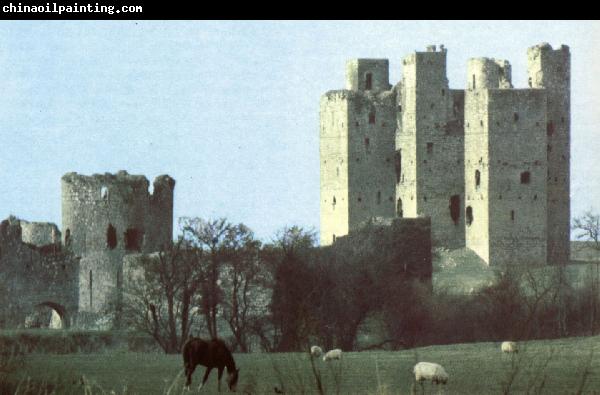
column 48, row 315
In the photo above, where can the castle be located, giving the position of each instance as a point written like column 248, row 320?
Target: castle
column 489, row 164
column 79, row 273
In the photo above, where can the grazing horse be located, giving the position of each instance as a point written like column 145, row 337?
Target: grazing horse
column 212, row 354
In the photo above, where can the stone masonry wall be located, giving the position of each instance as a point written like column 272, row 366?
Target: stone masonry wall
column 430, row 144
column 550, row 69
column 32, row 276
column 108, row 216
column 470, row 160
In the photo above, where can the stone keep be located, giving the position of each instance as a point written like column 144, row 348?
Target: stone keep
column 429, row 147
column 505, row 167
column 105, row 217
column 550, row 70
column 357, row 149
column 489, row 165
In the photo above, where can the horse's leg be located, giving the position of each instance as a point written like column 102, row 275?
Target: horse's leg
column 188, row 373
column 220, row 375
column 206, row 373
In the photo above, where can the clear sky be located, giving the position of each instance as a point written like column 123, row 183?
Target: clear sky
column 230, row 109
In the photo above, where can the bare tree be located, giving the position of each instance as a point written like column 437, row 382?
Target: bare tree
column 244, row 292
column 588, row 230
column 212, row 238
column 588, row 227
column 158, row 294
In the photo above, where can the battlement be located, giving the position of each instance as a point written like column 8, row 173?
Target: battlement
column 549, row 68
column 368, row 75
column 489, row 73
column 39, row 234
column 121, row 184
column 116, row 211
column 425, row 69
column 546, row 49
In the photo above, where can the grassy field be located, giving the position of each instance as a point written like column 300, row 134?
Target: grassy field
column 555, row 367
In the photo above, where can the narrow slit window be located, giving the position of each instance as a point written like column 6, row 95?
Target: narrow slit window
column 111, row 237
column 67, row 237
column 368, row 81
column 473, row 81
column 372, row 117
column 516, row 116
column 367, row 143
column 398, row 165
column 550, row 129
column 512, row 215
column 399, row 208
column 430, row 148
column 455, row 208
column 90, row 288
column 469, row 215
column 378, row 197
column 477, row 178
column 525, row 177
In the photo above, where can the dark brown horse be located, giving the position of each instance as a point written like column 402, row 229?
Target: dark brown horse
column 212, row 354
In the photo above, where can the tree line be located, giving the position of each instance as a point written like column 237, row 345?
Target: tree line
column 218, row 280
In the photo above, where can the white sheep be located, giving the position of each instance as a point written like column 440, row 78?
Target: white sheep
column 430, row 371
column 509, row 347
column 316, row 351
column 333, row 354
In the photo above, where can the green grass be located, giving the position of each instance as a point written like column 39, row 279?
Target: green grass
column 478, row 368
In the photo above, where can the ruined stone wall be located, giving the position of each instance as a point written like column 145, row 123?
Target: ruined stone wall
column 372, row 126
column 430, row 146
column 472, row 161
column 160, row 216
column 550, row 69
column 333, row 146
column 108, row 216
column 518, row 170
column 357, row 149
column 486, row 73
column 505, row 167
column 32, row 276
column 358, row 71
column 477, row 174
column 39, row 233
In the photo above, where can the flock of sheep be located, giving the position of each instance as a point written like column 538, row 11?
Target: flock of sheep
column 423, row 371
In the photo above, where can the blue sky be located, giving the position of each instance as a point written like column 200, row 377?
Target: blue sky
column 230, row 109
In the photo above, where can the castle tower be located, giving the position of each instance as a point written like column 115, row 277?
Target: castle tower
column 550, row 70
column 357, row 149
column 107, row 216
column 429, row 174
column 505, row 166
